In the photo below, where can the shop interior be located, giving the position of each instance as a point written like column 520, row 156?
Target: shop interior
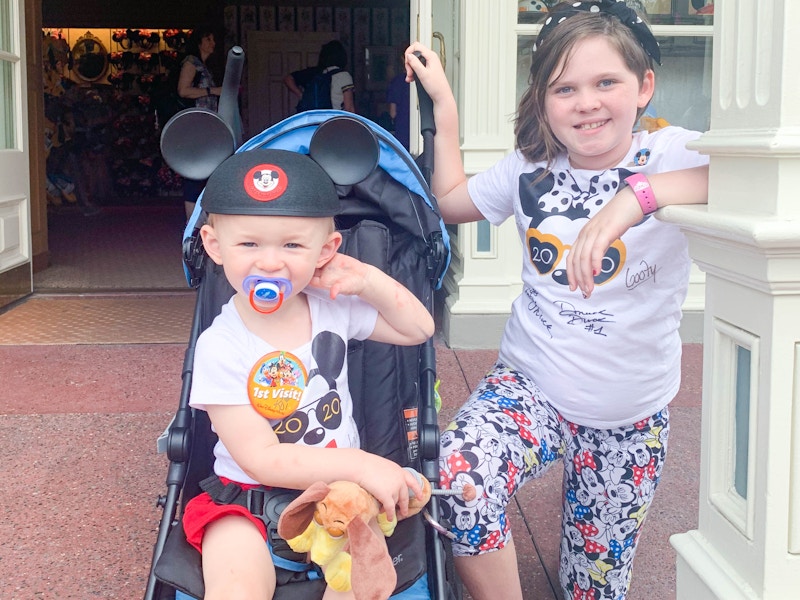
column 110, row 74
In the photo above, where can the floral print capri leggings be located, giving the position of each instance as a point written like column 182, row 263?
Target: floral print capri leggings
column 505, row 435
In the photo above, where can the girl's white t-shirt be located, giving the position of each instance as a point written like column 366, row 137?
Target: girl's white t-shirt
column 614, row 358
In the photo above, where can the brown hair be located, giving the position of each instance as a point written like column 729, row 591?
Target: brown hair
column 534, row 138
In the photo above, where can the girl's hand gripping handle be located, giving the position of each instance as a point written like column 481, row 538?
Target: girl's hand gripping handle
column 427, row 123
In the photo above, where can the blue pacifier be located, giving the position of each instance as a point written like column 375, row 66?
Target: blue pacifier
column 266, row 293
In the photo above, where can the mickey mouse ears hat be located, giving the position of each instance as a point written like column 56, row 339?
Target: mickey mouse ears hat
column 197, row 143
column 270, row 182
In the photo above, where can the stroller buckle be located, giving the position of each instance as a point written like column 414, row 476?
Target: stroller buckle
column 255, row 502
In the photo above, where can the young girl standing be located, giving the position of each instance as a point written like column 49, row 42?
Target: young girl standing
column 590, row 357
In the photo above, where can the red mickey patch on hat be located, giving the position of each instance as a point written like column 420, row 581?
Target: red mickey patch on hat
column 265, row 182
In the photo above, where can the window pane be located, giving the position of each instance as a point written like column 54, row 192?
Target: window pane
column 484, row 241
column 683, row 83
column 7, row 137
column 531, row 12
column 679, row 12
column 5, row 25
column 658, row 12
column 524, row 45
column 742, row 421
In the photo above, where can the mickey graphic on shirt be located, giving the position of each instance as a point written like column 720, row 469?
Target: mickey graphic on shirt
column 558, row 199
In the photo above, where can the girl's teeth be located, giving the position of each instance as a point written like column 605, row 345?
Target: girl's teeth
column 591, row 125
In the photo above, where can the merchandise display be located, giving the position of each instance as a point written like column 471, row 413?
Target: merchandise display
column 102, row 90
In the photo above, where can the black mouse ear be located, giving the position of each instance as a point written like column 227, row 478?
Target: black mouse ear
column 346, row 149
column 195, row 141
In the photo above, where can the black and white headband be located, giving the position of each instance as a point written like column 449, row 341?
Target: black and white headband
column 617, row 8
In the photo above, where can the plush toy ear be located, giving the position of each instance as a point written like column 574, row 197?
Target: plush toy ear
column 346, row 149
column 195, row 141
column 372, row 575
column 298, row 514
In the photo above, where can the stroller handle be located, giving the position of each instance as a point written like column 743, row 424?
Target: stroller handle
column 228, row 101
column 427, row 126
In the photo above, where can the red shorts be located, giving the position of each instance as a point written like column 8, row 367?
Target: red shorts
column 201, row 511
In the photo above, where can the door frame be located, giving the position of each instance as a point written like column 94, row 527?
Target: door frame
column 16, row 274
column 436, row 24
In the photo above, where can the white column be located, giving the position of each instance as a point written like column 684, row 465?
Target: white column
column 747, row 240
column 482, row 283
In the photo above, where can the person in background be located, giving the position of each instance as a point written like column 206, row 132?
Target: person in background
column 397, row 96
column 332, row 59
column 591, row 355
column 196, row 83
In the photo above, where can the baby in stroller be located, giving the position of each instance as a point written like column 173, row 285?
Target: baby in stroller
column 271, row 370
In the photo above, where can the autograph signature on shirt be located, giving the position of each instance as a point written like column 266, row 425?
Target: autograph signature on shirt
column 534, row 307
column 635, row 278
column 592, row 321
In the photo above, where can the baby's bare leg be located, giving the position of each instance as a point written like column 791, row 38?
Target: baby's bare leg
column 236, row 561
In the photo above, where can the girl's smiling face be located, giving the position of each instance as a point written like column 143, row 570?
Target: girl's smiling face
column 592, row 102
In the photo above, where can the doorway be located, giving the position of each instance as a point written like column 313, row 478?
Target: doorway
column 264, row 101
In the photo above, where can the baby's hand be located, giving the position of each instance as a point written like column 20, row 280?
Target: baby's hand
column 342, row 275
column 390, row 485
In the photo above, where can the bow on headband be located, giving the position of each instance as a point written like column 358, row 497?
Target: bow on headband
column 617, row 8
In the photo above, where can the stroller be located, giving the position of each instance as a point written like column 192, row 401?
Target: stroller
column 390, row 220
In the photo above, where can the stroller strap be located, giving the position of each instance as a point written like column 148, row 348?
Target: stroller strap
column 266, row 504
column 263, row 502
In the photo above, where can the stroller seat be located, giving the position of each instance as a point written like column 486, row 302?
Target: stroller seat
column 389, row 220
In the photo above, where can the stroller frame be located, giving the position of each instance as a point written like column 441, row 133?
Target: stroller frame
column 180, row 440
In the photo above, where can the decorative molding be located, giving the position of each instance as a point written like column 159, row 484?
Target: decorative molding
column 705, row 573
column 794, row 462
column 766, row 234
column 774, row 142
column 15, row 245
column 739, row 511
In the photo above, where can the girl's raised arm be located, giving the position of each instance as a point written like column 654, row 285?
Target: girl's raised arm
column 449, row 183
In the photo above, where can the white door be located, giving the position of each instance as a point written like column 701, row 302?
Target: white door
column 15, row 239
column 270, row 57
column 435, row 23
